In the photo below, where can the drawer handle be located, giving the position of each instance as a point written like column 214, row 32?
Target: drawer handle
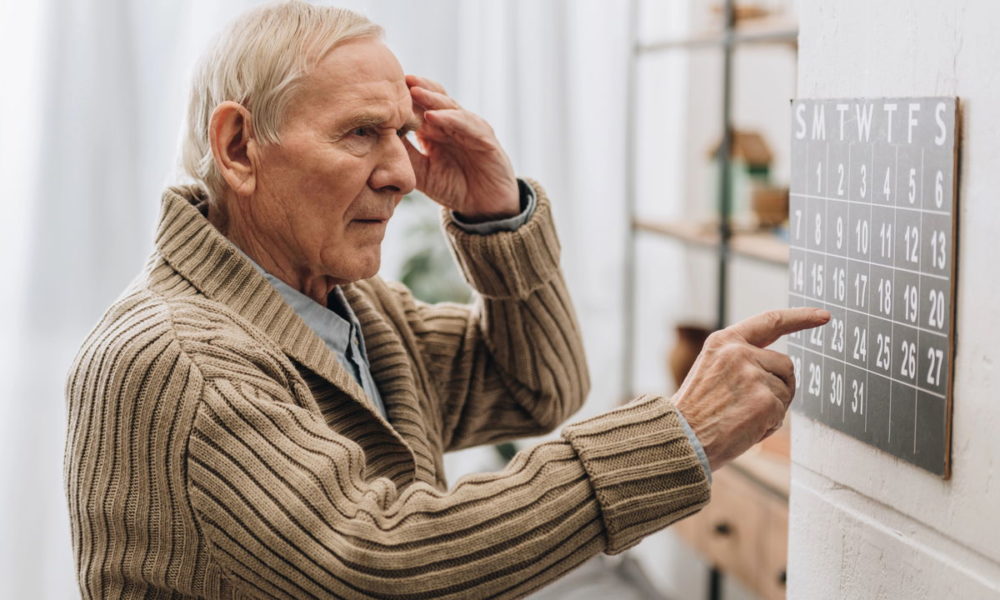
column 723, row 528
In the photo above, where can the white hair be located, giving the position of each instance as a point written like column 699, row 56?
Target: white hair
column 258, row 61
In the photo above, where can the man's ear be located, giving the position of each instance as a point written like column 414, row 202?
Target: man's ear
column 230, row 131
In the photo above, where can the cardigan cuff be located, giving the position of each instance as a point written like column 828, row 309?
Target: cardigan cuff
column 528, row 202
column 696, row 444
column 509, row 264
column 643, row 469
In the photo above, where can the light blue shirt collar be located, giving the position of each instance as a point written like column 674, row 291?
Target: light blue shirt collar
column 342, row 336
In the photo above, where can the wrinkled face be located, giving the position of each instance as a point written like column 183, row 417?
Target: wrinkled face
column 327, row 190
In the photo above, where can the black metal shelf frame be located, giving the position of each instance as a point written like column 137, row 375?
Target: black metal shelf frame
column 725, row 40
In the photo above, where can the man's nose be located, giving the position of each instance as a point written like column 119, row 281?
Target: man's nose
column 394, row 172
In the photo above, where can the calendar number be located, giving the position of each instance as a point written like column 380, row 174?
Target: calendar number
column 910, row 301
column 819, row 229
column 836, row 335
column 912, row 237
column 908, row 365
column 857, row 397
column 817, row 280
column 840, row 181
column 885, row 235
column 798, row 276
column 860, row 289
column 885, row 296
column 911, row 195
column 886, row 189
column 936, row 358
column 816, row 336
column 836, row 388
column 939, row 189
column 840, row 233
column 815, row 377
column 882, row 357
column 839, row 284
column 864, row 182
column 797, row 369
column 861, row 236
column 935, row 318
column 860, row 352
column 938, row 249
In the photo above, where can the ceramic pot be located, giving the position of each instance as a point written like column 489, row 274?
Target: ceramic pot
column 690, row 339
column 770, row 205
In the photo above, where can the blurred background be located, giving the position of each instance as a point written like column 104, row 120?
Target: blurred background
column 615, row 107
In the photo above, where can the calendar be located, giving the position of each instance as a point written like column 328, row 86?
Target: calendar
column 873, row 241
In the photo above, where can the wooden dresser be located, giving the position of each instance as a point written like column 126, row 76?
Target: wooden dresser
column 743, row 532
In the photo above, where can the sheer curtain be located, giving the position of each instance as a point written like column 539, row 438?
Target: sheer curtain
column 92, row 105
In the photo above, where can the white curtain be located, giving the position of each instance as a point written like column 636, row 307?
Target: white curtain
column 92, row 103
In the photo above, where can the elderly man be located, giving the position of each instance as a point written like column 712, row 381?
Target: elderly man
column 258, row 415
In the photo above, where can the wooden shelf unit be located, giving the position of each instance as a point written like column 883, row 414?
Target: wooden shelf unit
column 771, row 30
column 760, row 245
column 744, row 529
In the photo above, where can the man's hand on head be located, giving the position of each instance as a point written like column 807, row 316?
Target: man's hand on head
column 461, row 165
column 738, row 391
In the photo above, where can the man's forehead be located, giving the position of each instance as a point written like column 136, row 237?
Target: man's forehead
column 364, row 62
column 359, row 76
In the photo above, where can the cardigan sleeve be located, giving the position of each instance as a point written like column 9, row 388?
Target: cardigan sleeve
column 511, row 364
column 286, row 512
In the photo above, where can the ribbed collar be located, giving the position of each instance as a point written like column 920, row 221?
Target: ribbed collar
column 201, row 254
column 325, row 322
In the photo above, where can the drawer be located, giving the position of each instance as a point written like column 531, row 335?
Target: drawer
column 774, row 558
column 743, row 531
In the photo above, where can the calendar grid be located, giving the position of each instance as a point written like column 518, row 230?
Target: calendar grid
column 903, row 269
column 920, row 294
column 853, row 310
column 872, row 241
column 868, row 319
column 826, row 219
column 848, row 200
column 869, row 371
column 895, row 257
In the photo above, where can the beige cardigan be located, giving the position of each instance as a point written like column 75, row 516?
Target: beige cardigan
column 217, row 449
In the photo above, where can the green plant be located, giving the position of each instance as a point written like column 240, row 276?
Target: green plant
column 430, row 270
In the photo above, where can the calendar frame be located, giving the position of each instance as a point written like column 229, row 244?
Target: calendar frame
column 874, row 239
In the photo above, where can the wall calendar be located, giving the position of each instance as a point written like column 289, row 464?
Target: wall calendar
column 872, row 233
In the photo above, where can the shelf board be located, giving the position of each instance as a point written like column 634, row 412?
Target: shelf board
column 769, row 471
column 774, row 30
column 758, row 245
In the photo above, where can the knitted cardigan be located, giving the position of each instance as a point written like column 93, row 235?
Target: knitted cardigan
column 217, row 449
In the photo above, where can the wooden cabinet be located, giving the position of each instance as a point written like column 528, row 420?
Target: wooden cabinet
column 744, row 529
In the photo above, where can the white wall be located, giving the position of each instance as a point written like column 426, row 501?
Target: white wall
column 864, row 524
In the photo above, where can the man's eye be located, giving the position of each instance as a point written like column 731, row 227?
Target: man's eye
column 362, row 131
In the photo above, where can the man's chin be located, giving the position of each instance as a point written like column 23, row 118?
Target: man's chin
column 362, row 267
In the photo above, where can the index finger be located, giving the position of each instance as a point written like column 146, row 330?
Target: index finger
column 431, row 100
column 412, row 80
column 762, row 330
